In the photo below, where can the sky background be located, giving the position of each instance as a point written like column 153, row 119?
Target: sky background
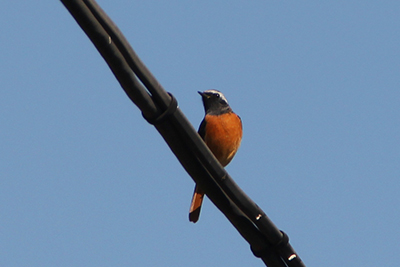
column 86, row 181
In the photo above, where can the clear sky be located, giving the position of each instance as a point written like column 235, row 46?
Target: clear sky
column 85, row 181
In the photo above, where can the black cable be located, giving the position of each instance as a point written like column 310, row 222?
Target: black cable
column 132, row 59
column 113, row 57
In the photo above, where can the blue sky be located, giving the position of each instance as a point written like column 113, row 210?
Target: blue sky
column 85, row 181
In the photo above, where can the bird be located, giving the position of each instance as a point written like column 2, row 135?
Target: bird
column 221, row 130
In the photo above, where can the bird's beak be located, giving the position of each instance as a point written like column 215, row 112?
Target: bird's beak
column 203, row 94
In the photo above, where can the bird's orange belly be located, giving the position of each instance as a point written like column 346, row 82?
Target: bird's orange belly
column 223, row 136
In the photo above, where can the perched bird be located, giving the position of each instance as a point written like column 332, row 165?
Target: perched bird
column 221, row 130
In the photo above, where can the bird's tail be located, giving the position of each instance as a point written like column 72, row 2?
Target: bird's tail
column 195, row 207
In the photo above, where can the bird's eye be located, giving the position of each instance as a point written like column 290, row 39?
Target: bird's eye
column 217, row 95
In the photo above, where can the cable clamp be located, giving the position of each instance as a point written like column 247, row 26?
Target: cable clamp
column 283, row 242
column 261, row 252
column 267, row 251
column 173, row 105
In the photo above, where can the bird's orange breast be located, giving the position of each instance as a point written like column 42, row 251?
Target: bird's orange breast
column 223, row 134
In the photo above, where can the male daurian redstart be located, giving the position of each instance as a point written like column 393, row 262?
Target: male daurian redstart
column 221, row 130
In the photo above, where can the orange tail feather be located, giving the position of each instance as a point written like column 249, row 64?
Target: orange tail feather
column 195, row 207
